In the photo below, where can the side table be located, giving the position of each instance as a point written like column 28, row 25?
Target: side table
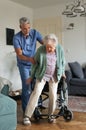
column 16, row 95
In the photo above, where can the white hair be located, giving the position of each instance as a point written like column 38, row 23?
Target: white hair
column 24, row 20
column 51, row 37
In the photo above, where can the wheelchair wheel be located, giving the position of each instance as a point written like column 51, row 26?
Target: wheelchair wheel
column 68, row 115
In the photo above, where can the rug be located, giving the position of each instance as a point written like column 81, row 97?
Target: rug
column 75, row 103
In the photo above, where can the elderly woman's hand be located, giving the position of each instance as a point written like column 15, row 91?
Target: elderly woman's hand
column 64, row 76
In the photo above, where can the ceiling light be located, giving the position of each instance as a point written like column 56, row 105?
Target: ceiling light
column 71, row 15
column 79, row 9
column 72, row 9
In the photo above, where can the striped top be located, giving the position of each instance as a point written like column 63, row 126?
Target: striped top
column 51, row 64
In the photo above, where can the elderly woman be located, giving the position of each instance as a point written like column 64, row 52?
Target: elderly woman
column 49, row 66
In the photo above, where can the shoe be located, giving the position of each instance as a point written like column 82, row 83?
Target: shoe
column 26, row 121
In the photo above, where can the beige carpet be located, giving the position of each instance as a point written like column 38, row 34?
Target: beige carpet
column 75, row 103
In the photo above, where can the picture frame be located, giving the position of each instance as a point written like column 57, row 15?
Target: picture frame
column 9, row 36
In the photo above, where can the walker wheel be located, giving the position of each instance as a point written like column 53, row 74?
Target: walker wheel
column 68, row 115
column 37, row 114
column 36, row 118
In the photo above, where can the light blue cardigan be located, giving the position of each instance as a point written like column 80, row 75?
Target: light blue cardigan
column 38, row 69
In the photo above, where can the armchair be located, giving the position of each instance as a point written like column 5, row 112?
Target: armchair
column 76, row 79
column 8, row 107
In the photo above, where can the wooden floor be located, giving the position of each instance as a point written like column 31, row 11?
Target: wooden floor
column 78, row 122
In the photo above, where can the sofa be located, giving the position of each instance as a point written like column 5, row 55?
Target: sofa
column 76, row 79
column 8, row 110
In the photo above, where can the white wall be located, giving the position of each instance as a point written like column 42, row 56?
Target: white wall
column 74, row 41
column 9, row 18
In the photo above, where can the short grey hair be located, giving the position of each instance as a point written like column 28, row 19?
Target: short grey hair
column 52, row 37
column 24, row 20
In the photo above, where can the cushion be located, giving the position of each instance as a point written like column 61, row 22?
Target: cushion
column 78, row 82
column 7, row 105
column 76, row 70
column 8, row 115
column 5, row 90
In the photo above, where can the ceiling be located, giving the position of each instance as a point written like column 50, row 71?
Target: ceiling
column 34, row 4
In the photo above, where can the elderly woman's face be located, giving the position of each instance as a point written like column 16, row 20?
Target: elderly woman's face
column 50, row 46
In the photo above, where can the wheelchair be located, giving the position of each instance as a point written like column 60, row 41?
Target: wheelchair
column 62, row 101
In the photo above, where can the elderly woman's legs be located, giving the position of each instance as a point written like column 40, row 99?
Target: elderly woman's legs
column 53, row 86
column 33, row 100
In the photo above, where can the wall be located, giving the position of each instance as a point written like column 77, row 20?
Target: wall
column 49, row 25
column 9, row 16
column 74, row 41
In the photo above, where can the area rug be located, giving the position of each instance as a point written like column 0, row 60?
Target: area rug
column 75, row 103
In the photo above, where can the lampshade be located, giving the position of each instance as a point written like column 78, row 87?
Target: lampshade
column 67, row 10
column 71, row 15
column 79, row 9
column 83, row 14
